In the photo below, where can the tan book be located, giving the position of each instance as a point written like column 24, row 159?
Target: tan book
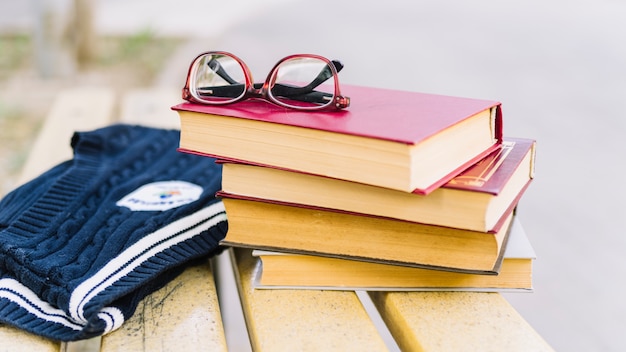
column 260, row 224
column 280, row 270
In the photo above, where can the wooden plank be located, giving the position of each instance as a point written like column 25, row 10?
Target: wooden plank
column 456, row 321
column 12, row 339
column 185, row 314
column 79, row 109
column 151, row 107
column 304, row 320
column 182, row 316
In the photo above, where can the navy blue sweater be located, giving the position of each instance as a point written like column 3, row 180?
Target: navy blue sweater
column 84, row 242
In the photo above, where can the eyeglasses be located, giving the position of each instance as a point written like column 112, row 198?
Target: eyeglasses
column 303, row 82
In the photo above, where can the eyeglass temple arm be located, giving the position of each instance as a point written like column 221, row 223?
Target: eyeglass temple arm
column 325, row 74
column 234, row 90
column 217, row 68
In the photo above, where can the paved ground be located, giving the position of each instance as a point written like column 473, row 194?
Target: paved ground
column 558, row 67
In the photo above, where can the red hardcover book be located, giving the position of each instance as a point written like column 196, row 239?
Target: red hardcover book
column 478, row 199
column 409, row 141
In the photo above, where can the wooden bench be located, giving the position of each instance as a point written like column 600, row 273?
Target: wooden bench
column 201, row 310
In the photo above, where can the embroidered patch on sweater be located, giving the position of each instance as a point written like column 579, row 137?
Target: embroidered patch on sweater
column 161, row 196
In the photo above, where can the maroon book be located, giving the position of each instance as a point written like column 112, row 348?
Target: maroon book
column 493, row 172
column 397, row 139
column 478, row 199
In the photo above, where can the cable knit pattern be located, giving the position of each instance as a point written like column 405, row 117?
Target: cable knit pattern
column 73, row 263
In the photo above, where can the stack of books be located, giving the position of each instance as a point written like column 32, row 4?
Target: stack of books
column 401, row 191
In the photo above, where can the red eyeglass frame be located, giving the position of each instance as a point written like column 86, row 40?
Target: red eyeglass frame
column 337, row 103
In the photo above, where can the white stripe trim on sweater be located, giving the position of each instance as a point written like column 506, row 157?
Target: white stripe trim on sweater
column 21, row 295
column 146, row 248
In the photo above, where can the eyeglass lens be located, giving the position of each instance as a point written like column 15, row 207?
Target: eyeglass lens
column 297, row 82
column 219, row 79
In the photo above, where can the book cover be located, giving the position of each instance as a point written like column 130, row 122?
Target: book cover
column 395, row 115
column 281, row 270
column 477, row 199
column 397, row 139
column 262, row 224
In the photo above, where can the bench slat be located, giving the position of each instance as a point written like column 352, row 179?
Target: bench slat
column 455, row 321
column 287, row 320
column 73, row 110
column 13, row 339
column 185, row 314
column 182, row 316
column 151, row 107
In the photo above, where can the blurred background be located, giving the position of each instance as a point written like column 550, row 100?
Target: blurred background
column 558, row 67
